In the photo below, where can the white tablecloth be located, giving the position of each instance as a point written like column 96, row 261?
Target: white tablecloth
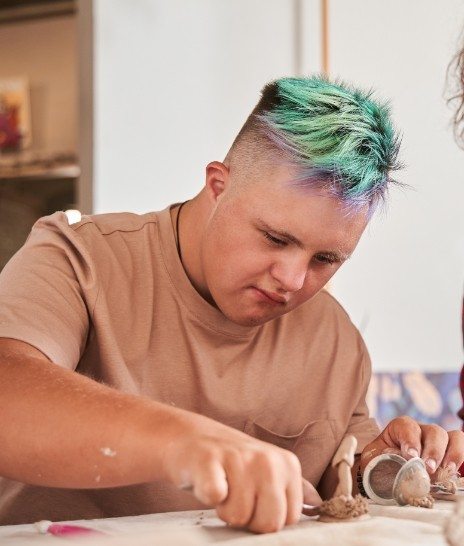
column 388, row 526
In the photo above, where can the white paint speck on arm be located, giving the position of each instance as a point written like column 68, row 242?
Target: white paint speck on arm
column 108, row 452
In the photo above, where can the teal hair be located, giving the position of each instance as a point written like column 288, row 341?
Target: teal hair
column 338, row 136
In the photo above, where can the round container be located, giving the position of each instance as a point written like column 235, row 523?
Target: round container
column 380, row 475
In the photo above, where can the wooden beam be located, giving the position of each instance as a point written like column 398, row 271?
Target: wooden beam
column 325, row 37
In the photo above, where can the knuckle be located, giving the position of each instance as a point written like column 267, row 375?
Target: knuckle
column 293, row 461
column 265, row 460
column 436, row 430
column 238, row 520
column 456, row 435
column 234, row 457
column 403, row 419
column 405, row 427
column 232, row 517
column 407, row 423
column 211, row 493
column 271, row 526
column 208, row 455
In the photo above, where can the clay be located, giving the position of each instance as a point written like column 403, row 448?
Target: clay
column 412, row 485
column 426, row 501
column 446, row 480
column 344, row 460
column 342, row 506
column 454, row 526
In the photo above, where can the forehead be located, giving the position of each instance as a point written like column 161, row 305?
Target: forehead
column 311, row 215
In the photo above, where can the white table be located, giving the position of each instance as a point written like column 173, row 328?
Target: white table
column 388, row 526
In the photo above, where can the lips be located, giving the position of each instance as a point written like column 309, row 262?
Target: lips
column 276, row 298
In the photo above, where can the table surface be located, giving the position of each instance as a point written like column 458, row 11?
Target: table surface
column 387, row 526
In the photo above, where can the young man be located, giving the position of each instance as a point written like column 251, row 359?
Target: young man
column 194, row 349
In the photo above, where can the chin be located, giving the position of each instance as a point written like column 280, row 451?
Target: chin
column 249, row 320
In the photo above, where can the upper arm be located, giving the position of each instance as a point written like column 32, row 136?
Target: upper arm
column 42, row 299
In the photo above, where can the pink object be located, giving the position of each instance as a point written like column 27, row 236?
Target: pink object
column 60, row 529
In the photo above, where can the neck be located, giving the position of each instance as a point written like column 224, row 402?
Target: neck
column 192, row 222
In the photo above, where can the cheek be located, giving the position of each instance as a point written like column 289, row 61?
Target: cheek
column 225, row 264
column 234, row 255
column 316, row 280
column 239, row 268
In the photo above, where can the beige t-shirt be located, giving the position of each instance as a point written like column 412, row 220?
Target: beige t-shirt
column 109, row 298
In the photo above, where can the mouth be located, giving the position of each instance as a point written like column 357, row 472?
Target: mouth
column 271, row 297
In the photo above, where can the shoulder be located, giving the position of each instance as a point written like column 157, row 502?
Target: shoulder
column 123, row 222
column 75, row 227
column 99, row 241
column 105, row 223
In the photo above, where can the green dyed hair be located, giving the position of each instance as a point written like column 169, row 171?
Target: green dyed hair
column 339, row 137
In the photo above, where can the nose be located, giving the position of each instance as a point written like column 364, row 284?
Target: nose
column 290, row 274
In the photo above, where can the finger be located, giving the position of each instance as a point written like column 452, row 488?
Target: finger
column 434, row 444
column 295, row 501
column 270, row 510
column 310, row 495
column 210, row 482
column 238, row 508
column 454, row 456
column 405, row 433
column 294, row 491
column 311, row 499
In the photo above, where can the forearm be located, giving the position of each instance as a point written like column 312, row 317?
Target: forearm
column 62, row 429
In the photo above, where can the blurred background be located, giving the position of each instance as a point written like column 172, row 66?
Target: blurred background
column 110, row 105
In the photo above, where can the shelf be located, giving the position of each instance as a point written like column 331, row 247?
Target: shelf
column 38, row 166
column 12, row 11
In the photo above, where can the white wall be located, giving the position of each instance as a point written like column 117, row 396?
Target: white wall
column 174, row 81
column 404, row 285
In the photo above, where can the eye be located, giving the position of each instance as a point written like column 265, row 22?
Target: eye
column 274, row 240
column 324, row 259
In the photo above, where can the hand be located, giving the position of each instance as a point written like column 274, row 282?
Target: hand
column 433, row 444
column 250, row 483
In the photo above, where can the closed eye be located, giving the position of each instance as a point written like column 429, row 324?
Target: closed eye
column 274, row 240
column 325, row 259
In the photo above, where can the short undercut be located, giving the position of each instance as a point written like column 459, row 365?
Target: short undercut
column 339, row 138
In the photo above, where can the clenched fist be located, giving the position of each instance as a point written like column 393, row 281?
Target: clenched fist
column 250, row 483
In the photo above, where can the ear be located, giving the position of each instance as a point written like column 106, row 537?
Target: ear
column 217, row 179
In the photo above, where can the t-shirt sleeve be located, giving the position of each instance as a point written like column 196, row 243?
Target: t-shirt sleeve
column 47, row 292
column 363, row 427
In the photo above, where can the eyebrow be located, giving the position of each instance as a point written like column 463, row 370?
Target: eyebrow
column 333, row 255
